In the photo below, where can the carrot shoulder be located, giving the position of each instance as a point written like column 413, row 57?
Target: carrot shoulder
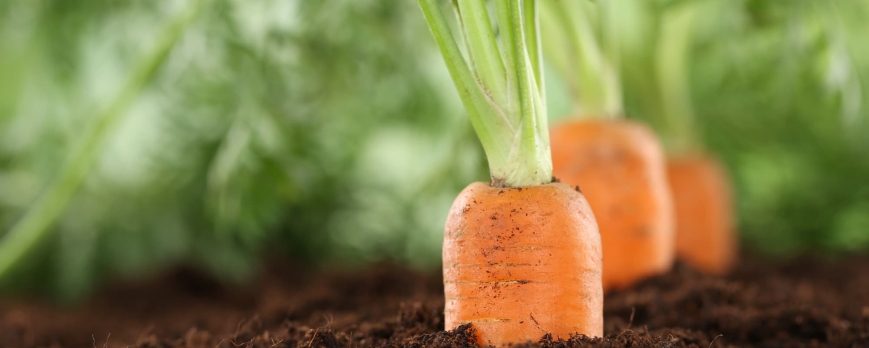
column 522, row 262
column 619, row 166
column 704, row 214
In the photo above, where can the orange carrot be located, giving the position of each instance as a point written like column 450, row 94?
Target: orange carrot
column 522, row 262
column 704, row 214
column 522, row 256
column 619, row 166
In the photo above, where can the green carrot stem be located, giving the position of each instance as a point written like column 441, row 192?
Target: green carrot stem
column 501, row 86
column 483, row 47
column 671, row 62
column 26, row 234
column 571, row 43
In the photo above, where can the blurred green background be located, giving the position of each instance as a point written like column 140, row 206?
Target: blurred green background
column 329, row 131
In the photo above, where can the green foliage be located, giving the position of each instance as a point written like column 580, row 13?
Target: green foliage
column 32, row 228
column 572, row 41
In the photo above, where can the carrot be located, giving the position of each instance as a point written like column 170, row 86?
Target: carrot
column 522, row 255
column 618, row 164
column 704, row 215
column 522, row 262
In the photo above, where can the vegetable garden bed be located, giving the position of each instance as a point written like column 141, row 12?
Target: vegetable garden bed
column 803, row 303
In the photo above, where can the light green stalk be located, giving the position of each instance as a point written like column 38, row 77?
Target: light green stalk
column 671, row 62
column 501, row 88
column 571, row 44
column 842, row 77
column 26, row 234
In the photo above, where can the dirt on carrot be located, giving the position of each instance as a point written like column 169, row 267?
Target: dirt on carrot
column 521, row 262
column 805, row 303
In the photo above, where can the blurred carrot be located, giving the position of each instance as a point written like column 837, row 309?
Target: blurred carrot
column 618, row 164
column 522, row 255
column 705, row 233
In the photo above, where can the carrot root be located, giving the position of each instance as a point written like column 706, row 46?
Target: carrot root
column 522, row 262
column 705, row 234
column 619, row 165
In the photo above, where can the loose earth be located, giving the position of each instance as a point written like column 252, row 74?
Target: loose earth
column 804, row 303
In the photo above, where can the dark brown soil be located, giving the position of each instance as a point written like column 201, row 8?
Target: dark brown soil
column 801, row 304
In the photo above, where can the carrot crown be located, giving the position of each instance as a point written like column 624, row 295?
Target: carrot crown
column 500, row 84
column 572, row 45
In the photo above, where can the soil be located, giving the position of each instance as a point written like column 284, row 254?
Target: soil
column 800, row 304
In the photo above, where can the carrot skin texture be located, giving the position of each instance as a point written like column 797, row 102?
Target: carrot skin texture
column 521, row 262
column 620, row 167
column 705, row 233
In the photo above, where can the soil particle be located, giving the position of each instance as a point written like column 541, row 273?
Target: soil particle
column 801, row 304
column 498, row 182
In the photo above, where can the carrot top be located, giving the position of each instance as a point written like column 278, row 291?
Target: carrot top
column 500, row 84
column 572, row 44
column 676, row 115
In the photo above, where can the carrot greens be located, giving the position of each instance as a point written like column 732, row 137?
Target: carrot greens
column 500, row 83
column 572, row 43
column 672, row 59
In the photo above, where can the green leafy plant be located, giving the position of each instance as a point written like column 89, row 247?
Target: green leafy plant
column 33, row 226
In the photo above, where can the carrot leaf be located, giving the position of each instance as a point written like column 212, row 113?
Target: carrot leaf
column 500, row 84
column 672, row 59
column 571, row 42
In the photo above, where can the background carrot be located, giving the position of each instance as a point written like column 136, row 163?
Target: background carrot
column 705, row 231
column 617, row 163
column 619, row 167
column 522, row 255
